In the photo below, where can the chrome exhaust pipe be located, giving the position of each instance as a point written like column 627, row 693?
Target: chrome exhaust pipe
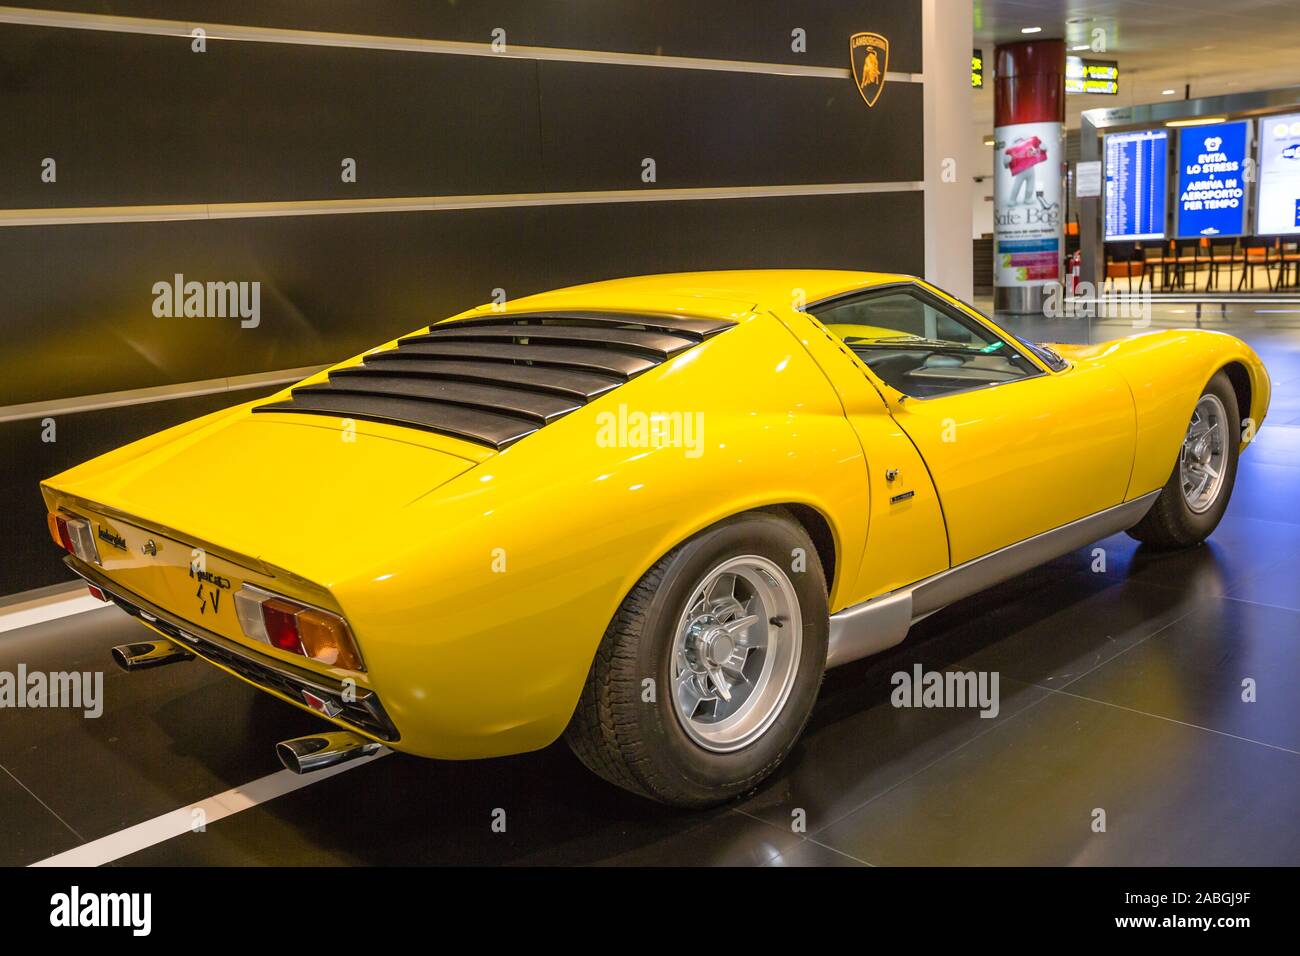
column 134, row 657
column 305, row 754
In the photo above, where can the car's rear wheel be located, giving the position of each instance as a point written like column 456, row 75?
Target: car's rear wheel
column 708, row 672
column 1194, row 499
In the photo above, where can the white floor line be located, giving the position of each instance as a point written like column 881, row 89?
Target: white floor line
column 123, row 843
column 49, row 607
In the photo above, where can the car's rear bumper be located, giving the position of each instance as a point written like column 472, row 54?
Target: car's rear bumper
column 357, row 709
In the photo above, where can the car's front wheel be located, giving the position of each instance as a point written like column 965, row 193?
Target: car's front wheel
column 1197, row 493
column 707, row 674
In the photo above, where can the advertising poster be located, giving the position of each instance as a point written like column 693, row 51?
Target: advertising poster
column 1028, row 209
column 1211, row 185
column 1278, row 211
column 1136, row 182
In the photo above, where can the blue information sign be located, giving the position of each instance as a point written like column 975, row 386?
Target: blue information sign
column 1136, row 183
column 1211, row 185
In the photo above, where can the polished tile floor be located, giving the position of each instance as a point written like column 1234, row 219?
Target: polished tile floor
column 1121, row 691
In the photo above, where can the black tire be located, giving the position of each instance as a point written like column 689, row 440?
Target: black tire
column 1171, row 523
column 642, row 746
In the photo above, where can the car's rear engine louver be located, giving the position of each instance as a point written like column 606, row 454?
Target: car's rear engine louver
column 494, row 380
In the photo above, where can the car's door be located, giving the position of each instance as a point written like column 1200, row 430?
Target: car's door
column 1016, row 443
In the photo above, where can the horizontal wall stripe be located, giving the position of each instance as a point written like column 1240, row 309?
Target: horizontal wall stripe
column 160, row 393
column 175, row 28
column 333, row 207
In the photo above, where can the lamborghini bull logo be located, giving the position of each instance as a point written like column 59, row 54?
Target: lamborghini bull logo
column 869, row 61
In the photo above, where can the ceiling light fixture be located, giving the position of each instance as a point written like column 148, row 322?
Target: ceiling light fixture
column 1031, row 29
column 1198, row 121
column 1168, row 92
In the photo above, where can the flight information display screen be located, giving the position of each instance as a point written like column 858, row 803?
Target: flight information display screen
column 1137, row 179
column 1091, row 76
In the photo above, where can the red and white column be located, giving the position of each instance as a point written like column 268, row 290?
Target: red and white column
column 1028, row 173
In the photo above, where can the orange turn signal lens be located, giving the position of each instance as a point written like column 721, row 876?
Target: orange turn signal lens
column 326, row 638
column 59, row 531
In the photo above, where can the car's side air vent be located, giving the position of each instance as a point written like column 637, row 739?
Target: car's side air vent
column 496, row 379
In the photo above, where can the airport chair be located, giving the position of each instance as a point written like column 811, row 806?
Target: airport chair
column 1187, row 257
column 1168, row 265
column 1122, row 263
column 1290, row 265
column 1153, row 257
column 1257, row 253
column 1223, row 252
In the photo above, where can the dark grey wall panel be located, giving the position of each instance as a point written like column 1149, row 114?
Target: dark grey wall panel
column 721, row 129
column 142, row 120
column 868, row 231
column 30, row 559
column 264, row 122
column 723, row 29
column 78, row 305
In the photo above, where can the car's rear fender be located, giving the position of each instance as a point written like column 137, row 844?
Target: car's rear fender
column 479, row 613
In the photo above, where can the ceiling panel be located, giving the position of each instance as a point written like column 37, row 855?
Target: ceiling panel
column 1216, row 46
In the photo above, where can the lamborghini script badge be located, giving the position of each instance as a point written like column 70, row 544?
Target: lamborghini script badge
column 869, row 61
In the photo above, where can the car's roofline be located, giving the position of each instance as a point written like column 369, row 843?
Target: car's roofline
column 725, row 293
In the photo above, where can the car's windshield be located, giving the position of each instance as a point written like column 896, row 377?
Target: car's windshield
column 922, row 346
column 1049, row 356
column 902, row 320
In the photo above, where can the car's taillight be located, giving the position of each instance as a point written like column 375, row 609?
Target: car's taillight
column 75, row 536
column 296, row 628
column 59, row 531
column 281, row 620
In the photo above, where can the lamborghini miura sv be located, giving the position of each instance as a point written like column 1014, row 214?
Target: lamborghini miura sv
column 643, row 514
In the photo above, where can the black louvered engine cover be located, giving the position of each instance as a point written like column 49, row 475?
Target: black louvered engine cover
column 495, row 380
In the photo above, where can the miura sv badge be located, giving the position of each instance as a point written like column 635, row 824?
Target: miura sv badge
column 210, row 596
column 869, row 61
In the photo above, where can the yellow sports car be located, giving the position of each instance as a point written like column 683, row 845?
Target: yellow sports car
column 644, row 514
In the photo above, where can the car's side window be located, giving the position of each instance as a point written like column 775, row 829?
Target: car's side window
column 921, row 346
